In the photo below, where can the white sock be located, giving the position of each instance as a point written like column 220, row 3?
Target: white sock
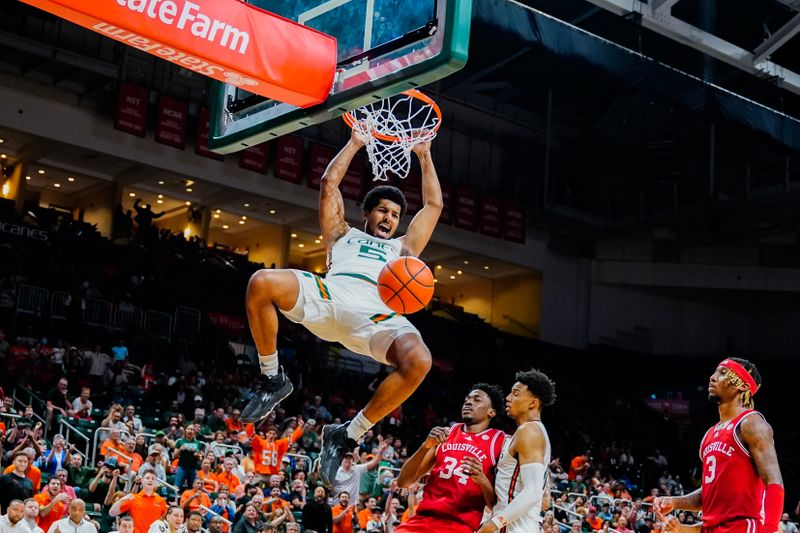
column 269, row 364
column 358, row 426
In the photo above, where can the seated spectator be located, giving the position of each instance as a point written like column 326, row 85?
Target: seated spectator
column 77, row 476
column 31, row 515
column 219, row 448
column 192, row 499
column 113, row 442
column 130, row 450
column 216, row 421
column 130, row 419
column 275, row 501
column 592, row 521
column 170, row 523
column 366, row 514
column 227, row 477
column 57, row 400
column 57, row 457
column 153, row 463
column 250, row 522
column 114, row 419
column 82, row 405
column 62, row 476
column 223, row 507
column 209, row 478
column 317, row 513
column 297, row 496
column 52, row 504
column 125, row 525
column 577, row 485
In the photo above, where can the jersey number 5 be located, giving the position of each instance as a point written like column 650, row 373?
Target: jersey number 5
column 451, row 468
column 368, row 252
column 711, row 464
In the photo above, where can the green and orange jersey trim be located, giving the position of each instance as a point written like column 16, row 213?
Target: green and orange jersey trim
column 324, row 292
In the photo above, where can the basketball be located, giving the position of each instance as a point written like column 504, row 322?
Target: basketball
column 405, row 285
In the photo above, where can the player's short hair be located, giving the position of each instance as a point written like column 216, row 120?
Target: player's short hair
column 495, row 395
column 194, row 513
column 539, row 384
column 388, row 192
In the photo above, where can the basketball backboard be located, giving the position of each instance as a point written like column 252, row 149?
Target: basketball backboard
column 384, row 47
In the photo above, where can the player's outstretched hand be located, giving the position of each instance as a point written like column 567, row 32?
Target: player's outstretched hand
column 437, row 436
column 473, row 468
column 358, row 138
column 663, row 506
column 423, row 147
column 671, row 524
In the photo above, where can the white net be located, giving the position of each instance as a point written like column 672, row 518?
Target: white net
column 392, row 127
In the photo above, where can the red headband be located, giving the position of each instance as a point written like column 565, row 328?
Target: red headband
column 743, row 374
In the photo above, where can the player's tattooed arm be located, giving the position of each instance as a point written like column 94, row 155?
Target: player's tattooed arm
column 756, row 434
column 424, row 222
column 423, row 459
column 332, row 221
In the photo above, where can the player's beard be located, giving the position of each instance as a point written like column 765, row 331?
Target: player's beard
column 714, row 398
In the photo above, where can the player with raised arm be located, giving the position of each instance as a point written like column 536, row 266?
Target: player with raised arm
column 741, row 476
column 345, row 306
column 522, row 468
column 461, row 462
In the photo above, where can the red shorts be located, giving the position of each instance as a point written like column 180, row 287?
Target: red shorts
column 426, row 524
column 742, row 525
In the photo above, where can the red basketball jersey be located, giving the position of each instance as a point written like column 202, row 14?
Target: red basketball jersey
column 450, row 493
column 732, row 489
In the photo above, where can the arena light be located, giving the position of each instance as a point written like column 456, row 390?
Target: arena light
column 1, row 141
column 294, row 235
column 27, row 178
column 188, row 203
column 187, row 232
column 452, row 276
column 459, row 272
column 188, row 189
column 486, row 267
column 132, row 194
column 3, row 156
column 219, row 211
column 41, row 171
column 301, row 245
column 159, row 201
column 6, row 189
column 216, row 215
column 57, row 185
column 247, row 205
column 161, row 196
column 438, row 267
column 317, row 241
column 225, row 226
column 161, row 182
column 241, row 222
column 70, row 179
column 272, row 211
column 466, row 262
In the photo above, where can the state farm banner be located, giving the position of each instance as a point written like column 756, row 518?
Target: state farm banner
column 353, row 181
column 320, row 157
column 514, row 223
column 412, row 188
column 171, row 123
column 447, row 204
column 131, row 114
column 491, row 220
column 201, row 143
column 228, row 40
column 255, row 158
column 466, row 210
column 289, row 159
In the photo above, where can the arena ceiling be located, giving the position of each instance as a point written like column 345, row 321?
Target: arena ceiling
column 597, row 157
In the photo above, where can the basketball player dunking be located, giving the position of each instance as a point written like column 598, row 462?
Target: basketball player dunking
column 461, row 461
column 345, row 306
column 521, row 477
column 741, row 476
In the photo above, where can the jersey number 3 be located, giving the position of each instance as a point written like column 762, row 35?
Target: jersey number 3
column 451, row 468
column 711, row 463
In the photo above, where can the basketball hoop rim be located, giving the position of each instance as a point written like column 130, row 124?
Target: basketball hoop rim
column 419, row 95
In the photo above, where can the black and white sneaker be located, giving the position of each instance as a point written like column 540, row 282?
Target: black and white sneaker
column 335, row 445
column 269, row 392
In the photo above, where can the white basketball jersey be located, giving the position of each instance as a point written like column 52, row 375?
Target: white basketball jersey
column 359, row 255
column 508, row 484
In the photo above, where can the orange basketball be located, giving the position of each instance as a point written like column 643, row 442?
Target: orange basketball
column 405, row 285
